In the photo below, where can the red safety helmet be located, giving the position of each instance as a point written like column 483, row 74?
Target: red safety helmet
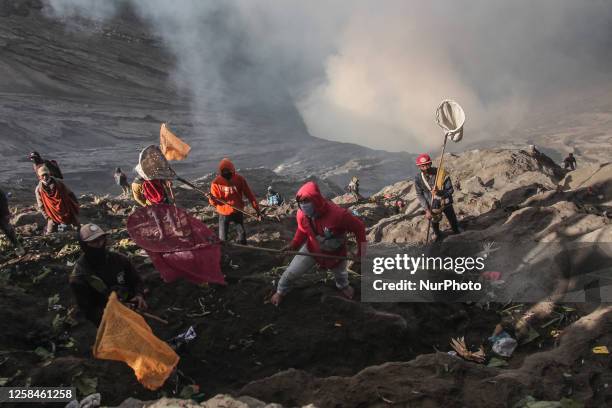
column 423, row 159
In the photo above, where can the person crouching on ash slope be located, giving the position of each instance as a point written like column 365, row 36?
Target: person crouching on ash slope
column 321, row 228
column 55, row 201
column 98, row 272
column 441, row 190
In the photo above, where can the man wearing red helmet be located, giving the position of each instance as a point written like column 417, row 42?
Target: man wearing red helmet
column 441, row 190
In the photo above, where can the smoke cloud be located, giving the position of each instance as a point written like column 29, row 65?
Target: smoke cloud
column 373, row 73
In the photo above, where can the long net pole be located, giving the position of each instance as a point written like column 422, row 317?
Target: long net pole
column 435, row 181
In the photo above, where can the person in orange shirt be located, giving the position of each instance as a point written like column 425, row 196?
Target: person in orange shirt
column 231, row 187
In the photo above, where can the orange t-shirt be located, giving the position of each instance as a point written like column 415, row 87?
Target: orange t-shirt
column 233, row 192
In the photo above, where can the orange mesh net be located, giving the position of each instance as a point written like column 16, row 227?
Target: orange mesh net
column 123, row 335
column 171, row 146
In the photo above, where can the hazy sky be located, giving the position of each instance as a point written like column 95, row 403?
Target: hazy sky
column 373, row 72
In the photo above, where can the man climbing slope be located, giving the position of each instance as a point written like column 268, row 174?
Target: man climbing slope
column 441, row 190
column 569, row 162
column 121, row 180
column 231, row 187
column 322, row 228
column 98, row 272
column 55, row 201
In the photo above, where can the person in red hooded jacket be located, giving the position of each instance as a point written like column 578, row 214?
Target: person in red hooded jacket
column 322, row 227
column 231, row 187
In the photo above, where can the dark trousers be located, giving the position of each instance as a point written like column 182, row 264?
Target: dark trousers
column 449, row 211
column 238, row 220
column 7, row 228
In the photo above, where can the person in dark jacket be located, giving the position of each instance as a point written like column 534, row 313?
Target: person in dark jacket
column 435, row 197
column 121, row 180
column 570, row 162
column 5, row 224
column 98, row 272
column 52, row 165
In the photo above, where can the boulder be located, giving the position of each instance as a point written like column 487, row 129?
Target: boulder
column 27, row 218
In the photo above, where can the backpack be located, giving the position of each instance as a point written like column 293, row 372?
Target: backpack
column 54, row 169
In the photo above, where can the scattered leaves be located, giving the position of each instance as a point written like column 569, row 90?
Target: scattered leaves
column 601, row 350
column 68, row 249
column 497, row 362
column 7, row 380
column 266, row 327
column 45, row 271
column 189, row 390
column 460, row 347
column 85, row 385
column 126, row 244
column 52, row 301
column 43, row 353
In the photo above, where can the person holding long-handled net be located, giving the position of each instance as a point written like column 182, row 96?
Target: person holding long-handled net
column 181, row 246
column 321, row 232
column 434, row 191
column 433, row 185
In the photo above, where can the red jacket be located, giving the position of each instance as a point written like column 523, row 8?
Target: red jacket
column 232, row 190
column 329, row 216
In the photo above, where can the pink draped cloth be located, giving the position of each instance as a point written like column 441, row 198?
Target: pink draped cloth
column 179, row 245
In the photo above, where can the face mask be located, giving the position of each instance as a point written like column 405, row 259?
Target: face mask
column 308, row 209
column 227, row 175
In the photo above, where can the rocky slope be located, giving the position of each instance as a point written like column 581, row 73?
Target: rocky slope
column 578, row 121
column 507, row 194
column 318, row 348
